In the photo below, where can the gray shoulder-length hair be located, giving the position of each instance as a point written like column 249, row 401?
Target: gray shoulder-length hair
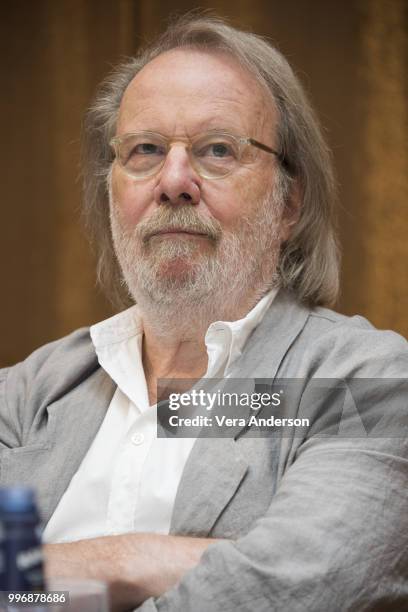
column 309, row 260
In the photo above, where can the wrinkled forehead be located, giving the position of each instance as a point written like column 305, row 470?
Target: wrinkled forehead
column 189, row 89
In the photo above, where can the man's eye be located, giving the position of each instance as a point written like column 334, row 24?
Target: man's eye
column 219, row 149
column 146, row 148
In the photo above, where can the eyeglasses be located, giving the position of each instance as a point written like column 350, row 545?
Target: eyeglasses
column 213, row 155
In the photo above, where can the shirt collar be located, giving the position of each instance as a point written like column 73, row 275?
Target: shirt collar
column 236, row 333
column 118, row 345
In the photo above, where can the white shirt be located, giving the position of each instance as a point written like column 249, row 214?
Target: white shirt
column 128, row 479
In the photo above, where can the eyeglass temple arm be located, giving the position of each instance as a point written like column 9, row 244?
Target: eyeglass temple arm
column 280, row 156
column 264, row 147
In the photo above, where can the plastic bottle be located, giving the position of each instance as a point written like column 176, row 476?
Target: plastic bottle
column 21, row 558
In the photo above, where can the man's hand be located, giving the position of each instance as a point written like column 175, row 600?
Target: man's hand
column 135, row 566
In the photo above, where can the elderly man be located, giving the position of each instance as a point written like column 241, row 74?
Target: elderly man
column 209, row 195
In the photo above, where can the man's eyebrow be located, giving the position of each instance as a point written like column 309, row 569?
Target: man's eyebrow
column 222, row 127
column 218, row 125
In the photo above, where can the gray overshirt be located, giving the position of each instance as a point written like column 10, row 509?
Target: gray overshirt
column 314, row 521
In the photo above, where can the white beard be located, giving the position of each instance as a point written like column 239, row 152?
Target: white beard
column 180, row 282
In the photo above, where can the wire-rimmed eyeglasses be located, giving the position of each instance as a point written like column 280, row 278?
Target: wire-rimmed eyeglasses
column 212, row 154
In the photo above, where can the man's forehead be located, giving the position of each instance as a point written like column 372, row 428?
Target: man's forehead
column 193, row 66
column 199, row 83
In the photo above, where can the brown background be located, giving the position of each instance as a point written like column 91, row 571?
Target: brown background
column 353, row 59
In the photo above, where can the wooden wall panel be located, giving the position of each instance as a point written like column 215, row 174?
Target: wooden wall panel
column 28, row 217
column 353, row 60
column 384, row 226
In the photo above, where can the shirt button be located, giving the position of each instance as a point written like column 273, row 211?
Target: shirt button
column 137, row 439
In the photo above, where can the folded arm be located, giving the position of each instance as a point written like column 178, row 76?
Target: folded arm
column 334, row 538
column 135, row 566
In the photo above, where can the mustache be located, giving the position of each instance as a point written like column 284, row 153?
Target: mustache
column 183, row 218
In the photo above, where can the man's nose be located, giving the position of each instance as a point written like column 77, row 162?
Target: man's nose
column 178, row 182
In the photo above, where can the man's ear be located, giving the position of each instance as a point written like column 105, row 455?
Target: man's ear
column 292, row 210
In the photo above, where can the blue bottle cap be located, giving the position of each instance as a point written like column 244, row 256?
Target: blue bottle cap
column 17, row 499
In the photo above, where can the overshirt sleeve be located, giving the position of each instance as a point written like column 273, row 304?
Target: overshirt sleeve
column 335, row 537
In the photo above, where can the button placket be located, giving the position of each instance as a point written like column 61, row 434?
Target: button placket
column 126, row 482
